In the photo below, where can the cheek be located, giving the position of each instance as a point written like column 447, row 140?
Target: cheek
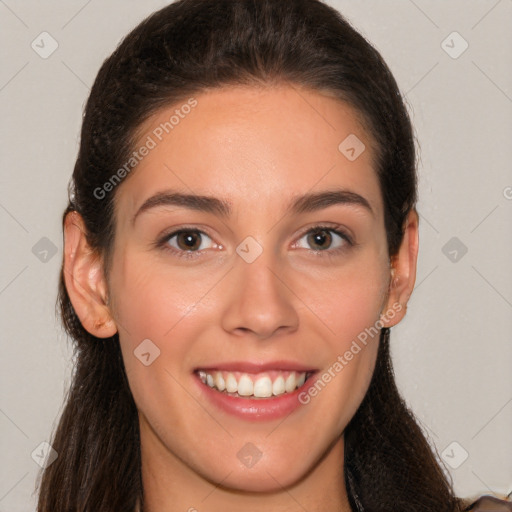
column 165, row 306
column 347, row 300
column 151, row 299
column 347, row 307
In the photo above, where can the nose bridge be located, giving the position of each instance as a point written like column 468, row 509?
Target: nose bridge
column 261, row 276
column 259, row 301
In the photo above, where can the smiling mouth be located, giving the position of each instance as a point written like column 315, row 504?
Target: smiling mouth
column 267, row 384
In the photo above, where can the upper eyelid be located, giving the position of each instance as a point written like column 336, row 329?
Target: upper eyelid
column 173, row 232
column 337, row 228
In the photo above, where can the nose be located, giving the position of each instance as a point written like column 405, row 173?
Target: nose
column 259, row 300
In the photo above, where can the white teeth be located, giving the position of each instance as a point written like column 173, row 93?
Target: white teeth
column 231, row 383
column 259, row 386
column 263, row 387
column 278, row 386
column 245, row 386
column 219, row 381
column 290, row 383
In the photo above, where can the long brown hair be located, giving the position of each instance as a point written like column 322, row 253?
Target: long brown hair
column 183, row 49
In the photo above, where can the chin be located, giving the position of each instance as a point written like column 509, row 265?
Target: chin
column 261, row 478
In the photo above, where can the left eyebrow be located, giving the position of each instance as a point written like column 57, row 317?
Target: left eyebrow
column 301, row 204
column 321, row 200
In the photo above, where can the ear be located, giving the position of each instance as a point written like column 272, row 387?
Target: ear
column 84, row 279
column 403, row 273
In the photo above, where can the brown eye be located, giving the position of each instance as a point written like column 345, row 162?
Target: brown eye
column 187, row 240
column 322, row 238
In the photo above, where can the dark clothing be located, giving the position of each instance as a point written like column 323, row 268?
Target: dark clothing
column 490, row 504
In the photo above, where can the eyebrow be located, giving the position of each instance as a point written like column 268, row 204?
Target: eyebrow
column 300, row 204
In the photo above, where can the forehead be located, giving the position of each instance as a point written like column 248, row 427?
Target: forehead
column 256, row 147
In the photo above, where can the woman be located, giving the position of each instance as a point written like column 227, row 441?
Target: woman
column 240, row 238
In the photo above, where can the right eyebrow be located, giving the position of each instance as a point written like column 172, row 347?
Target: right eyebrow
column 200, row 203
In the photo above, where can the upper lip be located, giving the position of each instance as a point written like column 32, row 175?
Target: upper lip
column 250, row 367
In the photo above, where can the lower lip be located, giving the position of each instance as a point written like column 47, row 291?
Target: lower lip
column 262, row 409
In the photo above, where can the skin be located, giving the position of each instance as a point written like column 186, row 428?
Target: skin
column 256, row 148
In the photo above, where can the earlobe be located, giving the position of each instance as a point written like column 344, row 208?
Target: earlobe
column 403, row 273
column 85, row 281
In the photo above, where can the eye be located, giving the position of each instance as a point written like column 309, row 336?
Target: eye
column 184, row 242
column 323, row 238
column 190, row 242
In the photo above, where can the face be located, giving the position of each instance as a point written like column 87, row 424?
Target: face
column 265, row 283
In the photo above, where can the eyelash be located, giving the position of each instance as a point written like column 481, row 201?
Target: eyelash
column 163, row 242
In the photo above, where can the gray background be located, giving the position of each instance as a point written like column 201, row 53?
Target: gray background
column 452, row 353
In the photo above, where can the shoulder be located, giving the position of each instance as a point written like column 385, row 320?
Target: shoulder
column 488, row 504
